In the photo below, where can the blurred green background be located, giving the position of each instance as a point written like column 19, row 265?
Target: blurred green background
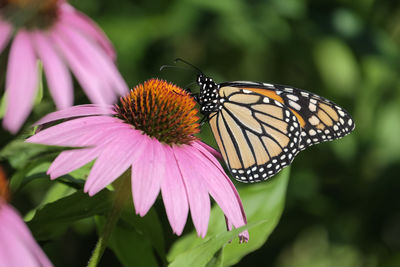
column 343, row 199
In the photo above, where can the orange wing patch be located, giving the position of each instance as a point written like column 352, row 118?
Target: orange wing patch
column 273, row 95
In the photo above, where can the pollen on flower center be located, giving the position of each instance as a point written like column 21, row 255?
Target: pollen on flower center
column 161, row 110
column 30, row 14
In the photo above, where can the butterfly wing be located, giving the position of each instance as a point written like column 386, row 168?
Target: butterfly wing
column 256, row 134
column 320, row 119
column 323, row 119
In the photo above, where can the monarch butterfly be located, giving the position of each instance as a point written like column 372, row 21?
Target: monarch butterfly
column 260, row 127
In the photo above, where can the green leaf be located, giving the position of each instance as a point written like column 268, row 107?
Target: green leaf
column 262, row 202
column 131, row 247
column 3, row 105
column 54, row 193
column 39, row 94
column 217, row 259
column 53, row 219
column 148, row 226
column 202, row 254
column 19, row 153
column 337, row 66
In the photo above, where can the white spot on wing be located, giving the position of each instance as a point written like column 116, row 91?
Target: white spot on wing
column 294, row 105
column 268, row 84
column 293, row 97
column 312, row 107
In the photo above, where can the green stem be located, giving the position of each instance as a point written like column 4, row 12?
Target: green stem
column 122, row 194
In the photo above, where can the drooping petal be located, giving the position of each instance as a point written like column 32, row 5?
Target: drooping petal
column 98, row 60
column 5, row 34
column 174, row 193
column 114, row 160
column 77, row 111
column 91, row 83
column 221, row 188
column 15, row 235
column 21, row 82
column 214, row 152
column 84, row 24
column 78, row 132
column 57, row 74
column 196, row 188
column 147, row 175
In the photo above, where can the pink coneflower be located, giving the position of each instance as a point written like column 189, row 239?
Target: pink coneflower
column 150, row 131
column 60, row 37
column 17, row 246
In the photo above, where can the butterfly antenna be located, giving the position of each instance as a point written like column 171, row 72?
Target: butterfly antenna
column 189, row 64
column 172, row 66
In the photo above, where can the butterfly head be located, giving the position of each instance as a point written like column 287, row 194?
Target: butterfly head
column 208, row 97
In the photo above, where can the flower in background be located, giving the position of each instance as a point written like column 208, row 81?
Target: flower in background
column 150, row 131
column 61, row 37
column 17, row 246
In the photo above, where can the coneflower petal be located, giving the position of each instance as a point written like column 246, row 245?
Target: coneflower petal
column 57, row 74
column 17, row 242
column 114, row 160
column 174, row 194
column 90, row 82
column 21, row 82
column 5, row 34
column 196, row 188
column 77, row 111
column 79, row 132
column 83, row 23
column 96, row 59
column 148, row 171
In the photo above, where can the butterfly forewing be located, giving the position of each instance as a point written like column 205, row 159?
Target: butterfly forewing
column 320, row 119
column 257, row 135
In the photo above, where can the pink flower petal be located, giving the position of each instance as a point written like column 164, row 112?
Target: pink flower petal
column 91, row 82
column 71, row 160
column 78, row 132
column 98, row 137
column 148, row 171
column 5, row 34
column 214, row 152
column 21, row 82
column 96, row 59
column 22, row 248
column 84, row 24
column 57, row 74
column 115, row 159
column 196, row 188
column 174, row 194
column 77, row 111
column 222, row 190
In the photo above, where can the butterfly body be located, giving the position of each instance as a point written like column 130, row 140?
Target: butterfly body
column 260, row 127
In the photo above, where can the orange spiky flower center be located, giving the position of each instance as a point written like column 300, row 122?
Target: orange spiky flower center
column 161, row 110
column 30, row 14
column 4, row 193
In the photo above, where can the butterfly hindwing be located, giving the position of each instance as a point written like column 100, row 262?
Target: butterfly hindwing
column 323, row 119
column 257, row 135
